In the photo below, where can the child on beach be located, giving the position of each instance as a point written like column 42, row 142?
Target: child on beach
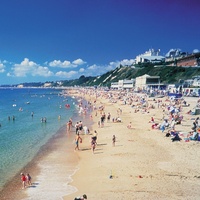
column 152, row 120
column 23, row 179
column 28, row 179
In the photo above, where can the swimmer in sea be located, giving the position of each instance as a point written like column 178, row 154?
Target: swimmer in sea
column 32, row 113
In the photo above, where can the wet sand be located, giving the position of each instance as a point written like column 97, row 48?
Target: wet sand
column 60, row 142
column 51, row 169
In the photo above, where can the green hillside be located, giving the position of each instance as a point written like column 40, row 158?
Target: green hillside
column 168, row 74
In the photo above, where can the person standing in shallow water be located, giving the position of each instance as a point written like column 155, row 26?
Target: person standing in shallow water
column 69, row 125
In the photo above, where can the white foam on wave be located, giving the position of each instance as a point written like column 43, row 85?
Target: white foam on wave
column 52, row 183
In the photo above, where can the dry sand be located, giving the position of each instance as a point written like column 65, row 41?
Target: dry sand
column 142, row 164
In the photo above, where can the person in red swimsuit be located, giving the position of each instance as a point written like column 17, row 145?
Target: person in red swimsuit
column 23, row 179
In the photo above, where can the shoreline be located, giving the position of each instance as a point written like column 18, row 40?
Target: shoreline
column 12, row 189
column 59, row 149
column 22, row 138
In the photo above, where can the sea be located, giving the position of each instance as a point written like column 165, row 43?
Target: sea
column 29, row 117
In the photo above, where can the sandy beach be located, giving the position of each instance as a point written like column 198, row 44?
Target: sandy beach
column 142, row 164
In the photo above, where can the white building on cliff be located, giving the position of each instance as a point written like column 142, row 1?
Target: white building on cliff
column 149, row 56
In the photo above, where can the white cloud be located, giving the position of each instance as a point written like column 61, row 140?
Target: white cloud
column 124, row 62
column 93, row 67
column 27, row 67
column 63, row 74
column 127, row 62
column 99, row 69
column 66, row 63
column 94, row 70
column 78, row 62
column 81, row 70
column 58, row 63
column 9, row 74
column 42, row 71
column 2, row 68
column 24, row 68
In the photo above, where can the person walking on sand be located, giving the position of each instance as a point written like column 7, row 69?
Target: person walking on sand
column 28, row 179
column 113, row 140
column 95, row 136
column 23, row 179
column 93, row 144
column 77, row 140
column 108, row 117
column 99, row 124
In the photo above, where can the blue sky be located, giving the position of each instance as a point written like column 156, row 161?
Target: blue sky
column 49, row 40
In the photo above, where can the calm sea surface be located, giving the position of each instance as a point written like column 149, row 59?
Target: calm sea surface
column 22, row 133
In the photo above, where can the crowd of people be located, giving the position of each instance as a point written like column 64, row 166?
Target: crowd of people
column 82, row 129
column 171, row 107
column 172, row 110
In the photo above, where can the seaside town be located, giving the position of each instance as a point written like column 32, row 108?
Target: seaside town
column 173, row 58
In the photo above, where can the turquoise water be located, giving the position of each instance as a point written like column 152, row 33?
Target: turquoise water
column 21, row 138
